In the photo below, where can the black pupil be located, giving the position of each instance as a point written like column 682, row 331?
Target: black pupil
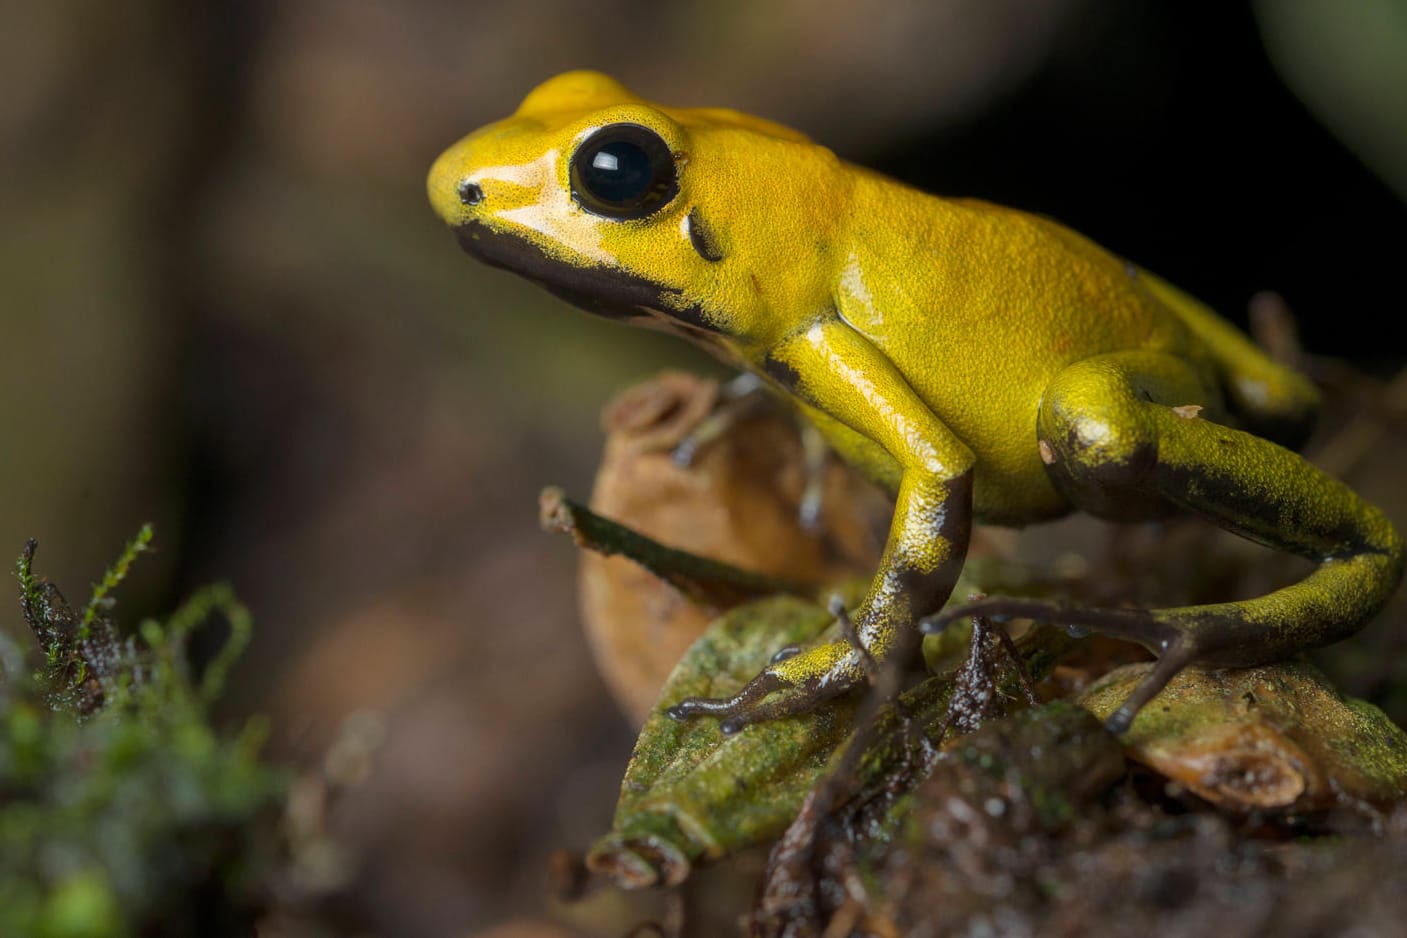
column 619, row 172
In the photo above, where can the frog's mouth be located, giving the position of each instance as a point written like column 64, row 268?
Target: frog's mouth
column 602, row 291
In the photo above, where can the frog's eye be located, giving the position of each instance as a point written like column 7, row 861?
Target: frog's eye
column 623, row 171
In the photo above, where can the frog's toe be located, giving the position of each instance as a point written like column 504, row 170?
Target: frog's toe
column 1170, row 662
column 727, row 708
column 1146, row 627
column 793, row 683
column 1177, row 640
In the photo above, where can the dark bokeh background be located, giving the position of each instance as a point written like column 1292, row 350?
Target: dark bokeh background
column 225, row 307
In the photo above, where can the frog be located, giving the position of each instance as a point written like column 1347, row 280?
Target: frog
column 980, row 363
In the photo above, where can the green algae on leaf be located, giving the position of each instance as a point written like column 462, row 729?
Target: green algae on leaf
column 691, row 793
column 1276, row 737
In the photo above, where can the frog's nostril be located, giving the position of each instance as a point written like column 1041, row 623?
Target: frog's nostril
column 470, row 193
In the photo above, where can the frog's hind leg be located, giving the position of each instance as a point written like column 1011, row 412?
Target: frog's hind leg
column 1121, row 433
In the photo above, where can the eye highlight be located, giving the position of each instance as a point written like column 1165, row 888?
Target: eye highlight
column 623, row 171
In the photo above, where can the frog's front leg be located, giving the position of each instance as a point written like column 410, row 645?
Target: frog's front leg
column 1123, row 432
column 861, row 395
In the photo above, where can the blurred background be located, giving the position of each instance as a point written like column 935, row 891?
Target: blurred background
column 226, row 308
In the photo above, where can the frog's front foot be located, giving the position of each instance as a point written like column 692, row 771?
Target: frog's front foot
column 795, row 682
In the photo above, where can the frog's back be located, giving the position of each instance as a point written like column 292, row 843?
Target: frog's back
column 981, row 306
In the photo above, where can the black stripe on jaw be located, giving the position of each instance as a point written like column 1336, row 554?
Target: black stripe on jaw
column 603, row 291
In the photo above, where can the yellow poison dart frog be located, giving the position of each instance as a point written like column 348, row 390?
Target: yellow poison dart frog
column 978, row 362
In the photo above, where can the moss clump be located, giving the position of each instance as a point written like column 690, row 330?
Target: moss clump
column 123, row 811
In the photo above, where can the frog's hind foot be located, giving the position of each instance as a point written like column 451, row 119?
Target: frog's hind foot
column 1173, row 641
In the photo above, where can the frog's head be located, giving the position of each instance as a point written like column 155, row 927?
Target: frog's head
column 705, row 221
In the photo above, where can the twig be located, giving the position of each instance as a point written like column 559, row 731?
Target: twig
column 705, row 581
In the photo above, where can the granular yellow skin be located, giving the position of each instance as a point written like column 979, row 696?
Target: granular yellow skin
column 979, row 362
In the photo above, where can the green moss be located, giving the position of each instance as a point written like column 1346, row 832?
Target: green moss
column 82, row 906
column 123, row 810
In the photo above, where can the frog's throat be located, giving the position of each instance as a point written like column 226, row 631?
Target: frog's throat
column 603, row 291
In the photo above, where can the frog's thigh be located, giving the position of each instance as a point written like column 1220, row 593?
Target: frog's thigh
column 1116, row 432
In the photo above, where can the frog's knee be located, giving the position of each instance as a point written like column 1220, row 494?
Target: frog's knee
column 1100, row 448
column 1110, row 446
